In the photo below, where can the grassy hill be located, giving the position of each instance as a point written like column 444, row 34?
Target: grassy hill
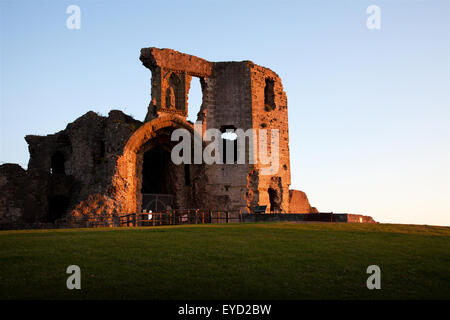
column 236, row 261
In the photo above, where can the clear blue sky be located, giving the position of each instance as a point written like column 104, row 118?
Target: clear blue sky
column 369, row 110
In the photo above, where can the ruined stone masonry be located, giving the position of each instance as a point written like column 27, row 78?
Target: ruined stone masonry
column 106, row 166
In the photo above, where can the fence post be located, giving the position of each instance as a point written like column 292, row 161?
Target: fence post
column 228, row 212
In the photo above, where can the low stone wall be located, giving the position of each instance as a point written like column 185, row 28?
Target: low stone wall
column 317, row 217
column 352, row 218
column 294, row 217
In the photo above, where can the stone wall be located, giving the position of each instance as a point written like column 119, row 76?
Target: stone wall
column 327, row 217
column 269, row 112
column 70, row 171
column 352, row 218
column 299, row 203
column 230, row 106
column 32, row 197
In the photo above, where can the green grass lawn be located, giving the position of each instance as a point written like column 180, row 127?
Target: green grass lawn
column 235, row 261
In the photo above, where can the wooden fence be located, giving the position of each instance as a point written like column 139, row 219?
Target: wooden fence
column 178, row 217
column 181, row 217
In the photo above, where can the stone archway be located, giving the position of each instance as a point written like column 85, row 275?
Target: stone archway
column 153, row 135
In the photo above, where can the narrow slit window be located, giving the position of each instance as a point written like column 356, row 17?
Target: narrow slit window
column 269, row 95
column 228, row 135
column 187, row 175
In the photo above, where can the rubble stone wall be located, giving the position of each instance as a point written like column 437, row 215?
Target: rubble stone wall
column 269, row 112
column 299, row 203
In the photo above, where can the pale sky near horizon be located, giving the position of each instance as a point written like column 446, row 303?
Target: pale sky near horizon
column 369, row 110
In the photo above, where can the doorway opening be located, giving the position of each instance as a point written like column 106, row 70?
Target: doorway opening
column 155, row 173
column 57, row 206
column 158, row 179
column 274, row 200
column 58, row 163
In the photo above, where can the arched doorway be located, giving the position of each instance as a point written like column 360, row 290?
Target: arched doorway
column 185, row 183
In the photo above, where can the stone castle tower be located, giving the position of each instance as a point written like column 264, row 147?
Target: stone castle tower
column 235, row 95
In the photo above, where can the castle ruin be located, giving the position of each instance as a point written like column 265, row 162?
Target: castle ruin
column 115, row 165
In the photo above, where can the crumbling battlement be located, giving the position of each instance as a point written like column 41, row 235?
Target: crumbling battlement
column 65, row 168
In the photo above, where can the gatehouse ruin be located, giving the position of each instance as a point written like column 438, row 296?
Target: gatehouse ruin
column 107, row 166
